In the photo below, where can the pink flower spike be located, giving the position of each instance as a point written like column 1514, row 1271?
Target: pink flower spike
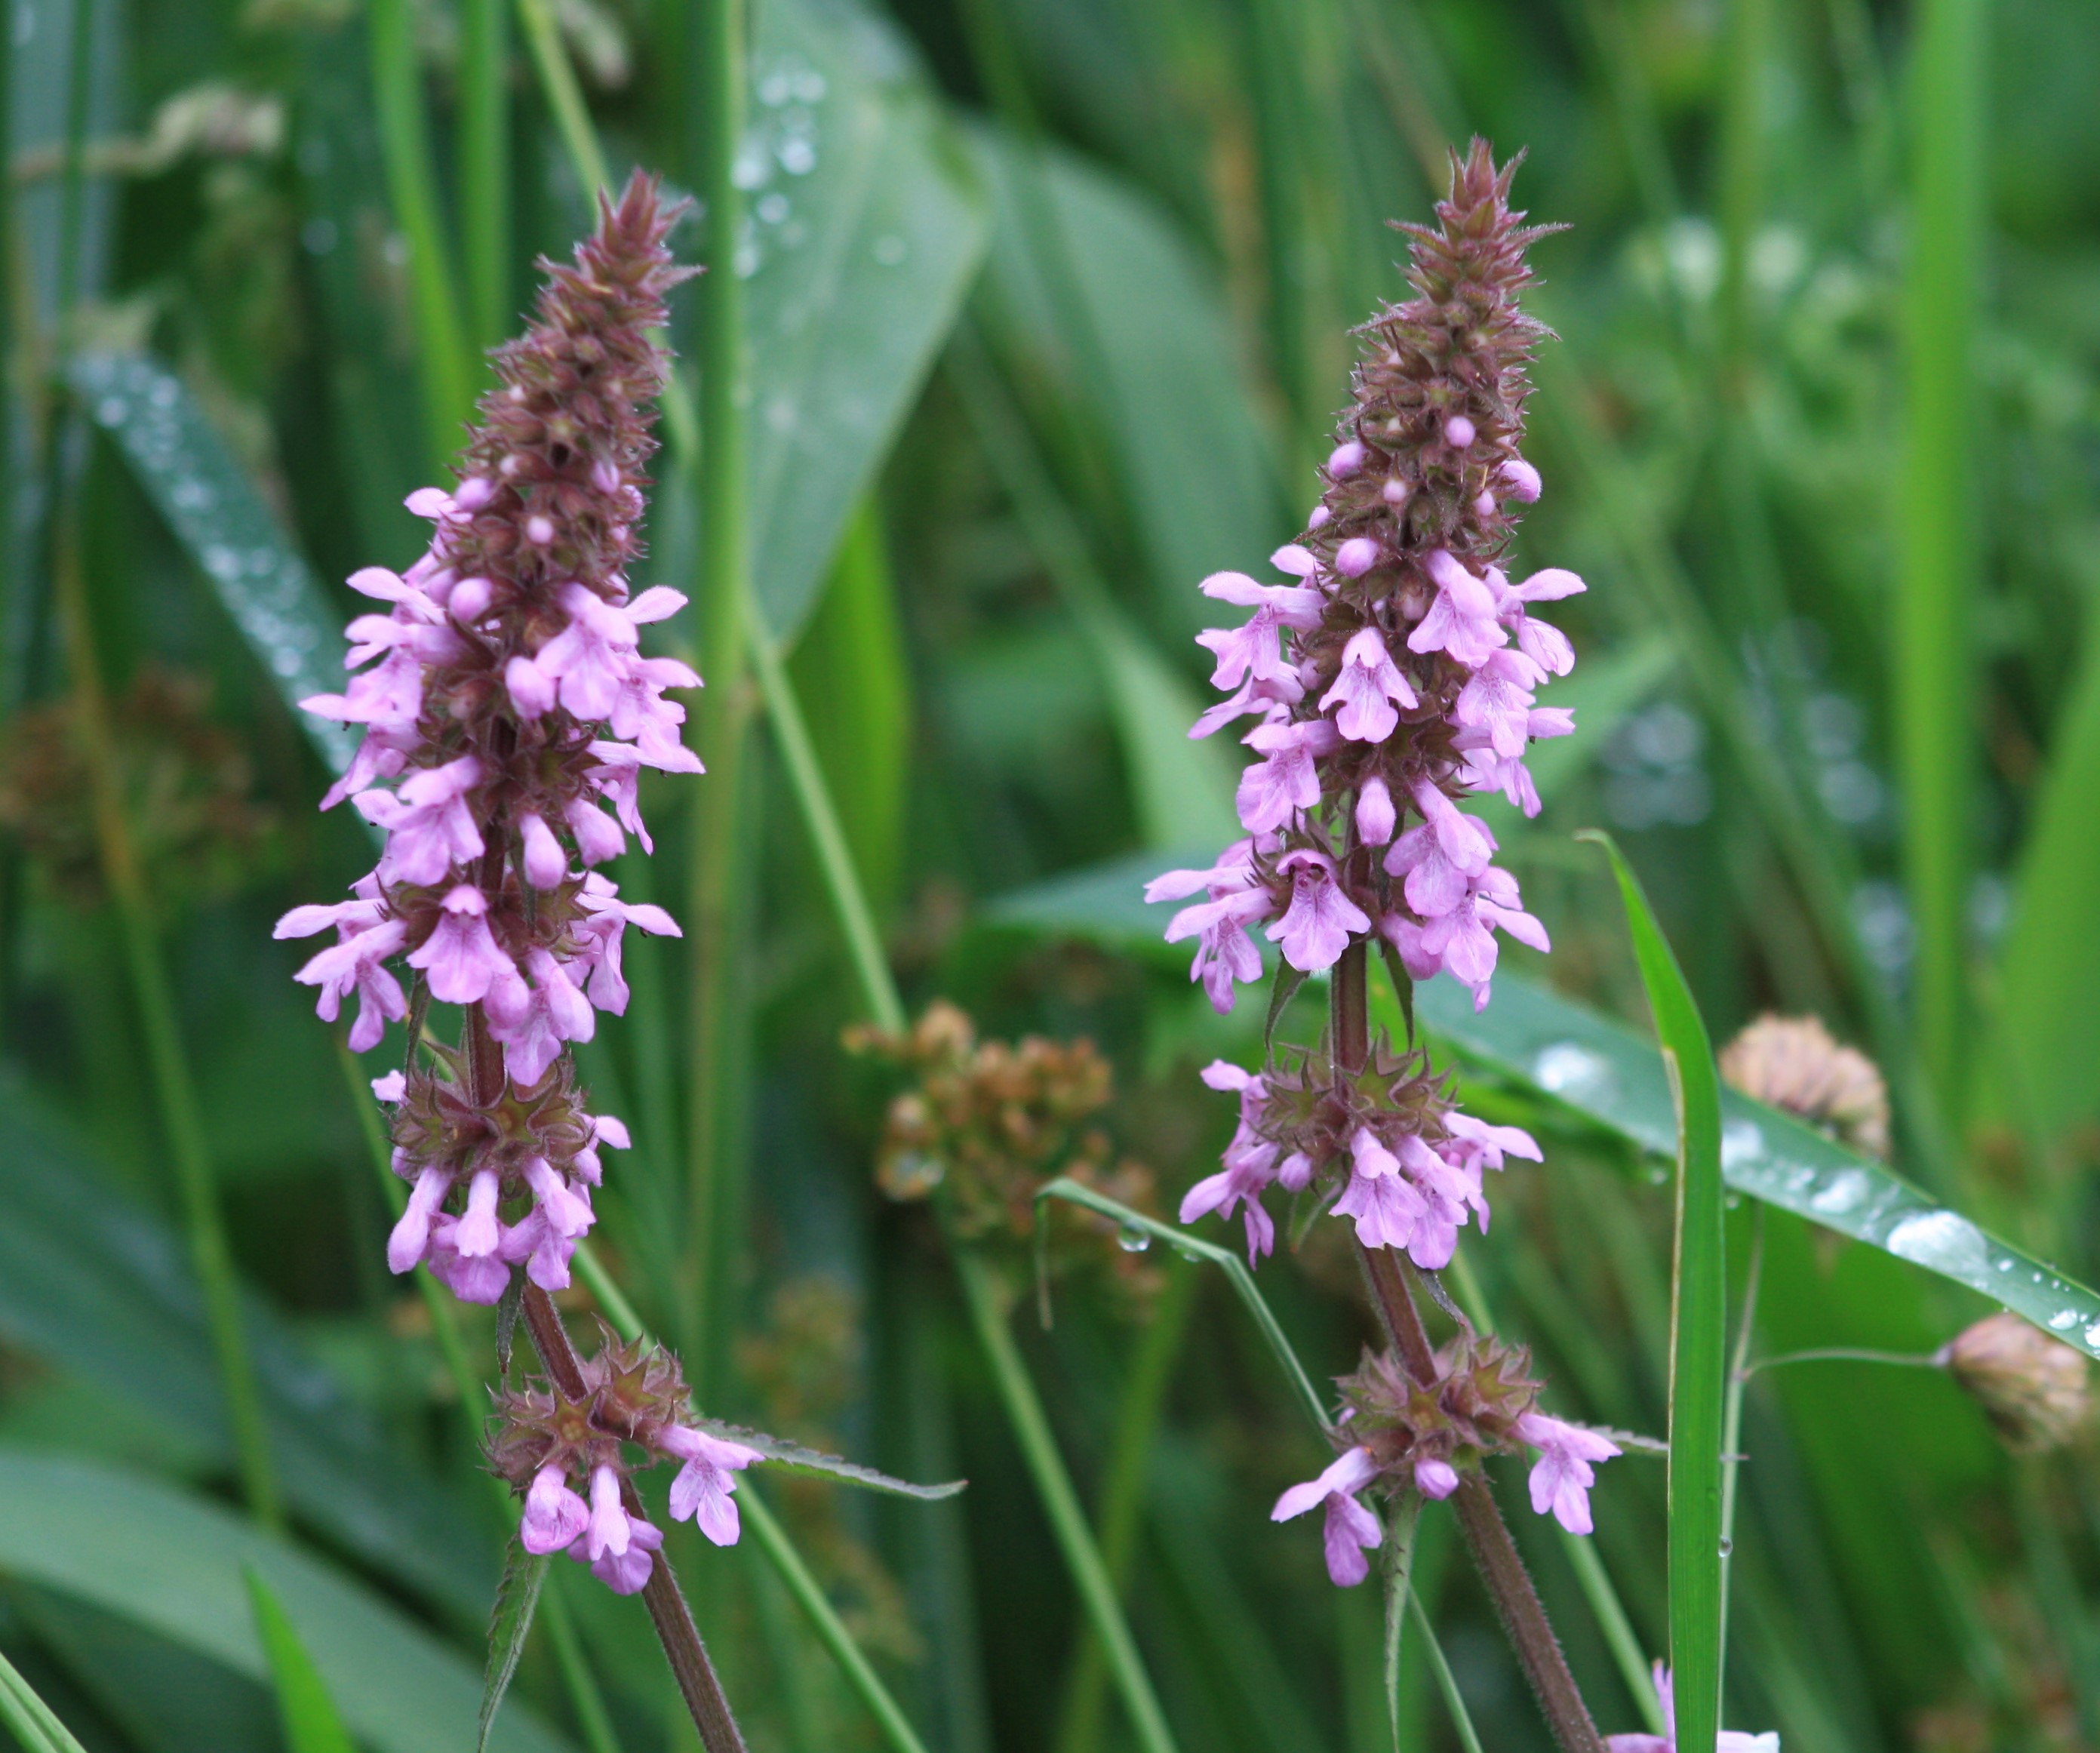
column 1344, row 460
column 555, row 1518
column 1434, row 1478
column 1564, row 1474
column 1355, row 557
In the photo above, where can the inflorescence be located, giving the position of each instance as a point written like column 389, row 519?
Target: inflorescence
column 1394, row 677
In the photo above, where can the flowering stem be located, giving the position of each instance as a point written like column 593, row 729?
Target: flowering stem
column 167, row 1064
column 1487, row 1536
column 1462, row 1720
column 674, row 1619
column 1061, row 1502
column 773, row 1539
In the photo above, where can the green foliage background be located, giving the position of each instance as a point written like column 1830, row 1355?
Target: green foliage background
column 1048, row 303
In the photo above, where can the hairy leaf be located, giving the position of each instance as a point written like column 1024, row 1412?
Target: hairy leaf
column 792, row 1457
column 517, row 1598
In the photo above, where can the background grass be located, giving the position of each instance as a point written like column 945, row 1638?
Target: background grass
column 1044, row 306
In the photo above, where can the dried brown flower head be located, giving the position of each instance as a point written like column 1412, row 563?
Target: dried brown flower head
column 1792, row 1063
column 2033, row 1389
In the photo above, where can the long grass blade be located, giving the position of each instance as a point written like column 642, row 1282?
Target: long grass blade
column 1699, row 1313
column 484, row 165
column 28, row 1718
column 310, row 1722
column 1937, row 680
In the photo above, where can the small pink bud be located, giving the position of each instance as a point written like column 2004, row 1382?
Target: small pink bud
column 1485, row 505
column 545, row 863
column 1355, row 557
column 1395, row 491
column 1374, row 813
column 605, row 476
column 1345, row 459
column 1320, row 514
column 1434, row 1478
column 1520, row 478
column 470, row 600
column 1458, row 432
column 539, row 531
column 474, row 492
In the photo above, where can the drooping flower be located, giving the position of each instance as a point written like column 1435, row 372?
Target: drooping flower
column 1565, row 1470
column 1350, row 1529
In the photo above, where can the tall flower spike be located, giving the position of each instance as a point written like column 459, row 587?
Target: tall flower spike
column 1397, row 675
column 507, row 706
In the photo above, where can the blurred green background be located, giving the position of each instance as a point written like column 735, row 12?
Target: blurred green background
column 1048, row 304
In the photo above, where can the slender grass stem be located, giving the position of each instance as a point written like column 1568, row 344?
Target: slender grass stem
column 72, row 172
column 1454, row 1701
column 1731, row 1416
column 775, row 1542
column 720, row 859
column 820, row 815
column 584, row 1698
column 565, row 97
column 484, row 155
column 1061, row 1502
column 174, row 1088
column 412, row 188
column 1845, row 1355
column 1122, row 1494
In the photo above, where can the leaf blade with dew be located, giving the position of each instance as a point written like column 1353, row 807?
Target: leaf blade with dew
column 1592, row 1067
column 510, row 1623
column 310, row 1722
column 253, row 567
column 814, row 1463
column 1698, row 1321
column 28, row 1718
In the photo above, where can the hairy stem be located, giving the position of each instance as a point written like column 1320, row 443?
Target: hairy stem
column 674, row 1619
column 1487, row 1537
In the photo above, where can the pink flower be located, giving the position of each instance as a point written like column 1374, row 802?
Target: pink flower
column 1315, row 929
column 410, row 1242
column 460, row 956
column 1462, row 620
column 1519, row 480
column 546, row 864
column 702, row 1489
column 1497, row 701
column 1254, row 695
column 602, row 931
column 532, row 1026
column 616, row 1546
column 429, row 827
column 1564, row 1474
column 592, row 657
column 1461, row 941
column 1366, row 688
column 554, row 1515
column 1252, row 649
column 1350, row 1529
column 1274, row 790
column 355, row 963
column 1385, row 1204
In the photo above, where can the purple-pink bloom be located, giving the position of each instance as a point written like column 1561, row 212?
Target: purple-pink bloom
column 1315, row 928
column 1434, row 1478
column 429, row 826
column 410, row 1241
column 1462, row 621
column 1351, row 1528
column 1365, row 690
column 1385, row 1204
column 627, row 1571
column 1274, row 789
column 1497, row 701
column 555, row 1516
column 1564, row 1474
column 461, row 957
column 1519, row 480
column 1731, row 1740
column 356, row 963
column 702, row 1489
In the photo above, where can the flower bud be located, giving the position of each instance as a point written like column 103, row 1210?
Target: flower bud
column 1791, row 1063
column 1345, row 460
column 2031, row 1387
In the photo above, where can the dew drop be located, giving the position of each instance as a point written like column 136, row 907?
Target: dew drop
column 1727, row 1546
column 1132, row 1241
column 2062, row 1320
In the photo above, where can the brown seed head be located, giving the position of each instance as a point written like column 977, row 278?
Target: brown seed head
column 1792, row 1063
column 2033, row 1389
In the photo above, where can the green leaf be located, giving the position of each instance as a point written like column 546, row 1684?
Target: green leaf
column 516, row 1597
column 792, row 1457
column 1533, row 1039
column 1145, row 341
column 235, row 540
column 173, row 1563
column 1699, row 1316
column 866, row 231
column 92, row 1283
column 309, row 1714
column 28, row 1718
